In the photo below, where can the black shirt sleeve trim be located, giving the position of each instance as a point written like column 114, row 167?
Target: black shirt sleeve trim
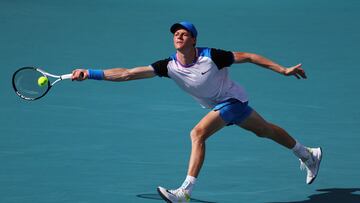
column 222, row 58
column 160, row 67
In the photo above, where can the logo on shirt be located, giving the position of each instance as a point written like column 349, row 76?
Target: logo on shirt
column 203, row 73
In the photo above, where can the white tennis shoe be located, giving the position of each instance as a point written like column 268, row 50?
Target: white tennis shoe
column 171, row 196
column 312, row 164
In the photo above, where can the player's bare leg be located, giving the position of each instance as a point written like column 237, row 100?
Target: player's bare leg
column 210, row 124
column 310, row 158
column 256, row 124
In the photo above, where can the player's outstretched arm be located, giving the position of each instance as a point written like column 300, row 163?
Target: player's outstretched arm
column 115, row 74
column 244, row 57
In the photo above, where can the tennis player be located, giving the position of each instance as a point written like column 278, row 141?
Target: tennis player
column 203, row 73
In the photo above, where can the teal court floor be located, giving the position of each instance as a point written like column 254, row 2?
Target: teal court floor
column 97, row 141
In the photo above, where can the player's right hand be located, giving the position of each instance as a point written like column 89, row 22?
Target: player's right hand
column 79, row 74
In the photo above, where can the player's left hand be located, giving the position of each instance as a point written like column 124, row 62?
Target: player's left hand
column 296, row 71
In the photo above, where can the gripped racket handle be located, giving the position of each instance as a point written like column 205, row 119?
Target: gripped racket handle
column 65, row 77
column 69, row 76
column 81, row 75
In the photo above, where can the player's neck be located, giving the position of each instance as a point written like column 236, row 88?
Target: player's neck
column 186, row 56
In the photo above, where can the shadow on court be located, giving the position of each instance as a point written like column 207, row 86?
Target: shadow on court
column 332, row 195
column 157, row 197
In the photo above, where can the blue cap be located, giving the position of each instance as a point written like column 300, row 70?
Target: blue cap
column 184, row 25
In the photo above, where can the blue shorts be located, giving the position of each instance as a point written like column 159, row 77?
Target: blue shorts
column 233, row 111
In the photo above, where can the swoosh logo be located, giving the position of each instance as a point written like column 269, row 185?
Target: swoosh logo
column 203, row 73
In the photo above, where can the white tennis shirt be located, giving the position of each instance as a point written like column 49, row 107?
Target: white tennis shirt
column 206, row 79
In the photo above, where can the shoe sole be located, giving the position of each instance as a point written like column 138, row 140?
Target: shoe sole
column 318, row 168
column 163, row 196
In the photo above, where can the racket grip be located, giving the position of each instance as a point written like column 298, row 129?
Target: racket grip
column 67, row 76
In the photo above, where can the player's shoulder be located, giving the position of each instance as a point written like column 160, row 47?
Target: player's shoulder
column 220, row 57
column 204, row 51
column 211, row 52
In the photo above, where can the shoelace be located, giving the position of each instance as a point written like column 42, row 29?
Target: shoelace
column 307, row 164
column 180, row 193
column 302, row 165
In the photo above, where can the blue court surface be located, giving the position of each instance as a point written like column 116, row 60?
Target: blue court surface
column 97, row 141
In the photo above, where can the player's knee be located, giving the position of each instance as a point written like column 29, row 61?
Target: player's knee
column 197, row 135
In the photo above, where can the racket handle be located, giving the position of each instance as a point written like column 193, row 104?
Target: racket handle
column 69, row 76
column 65, row 77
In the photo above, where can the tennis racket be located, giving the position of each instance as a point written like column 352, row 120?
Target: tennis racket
column 25, row 82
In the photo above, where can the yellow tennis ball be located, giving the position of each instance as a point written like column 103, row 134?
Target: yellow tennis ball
column 42, row 81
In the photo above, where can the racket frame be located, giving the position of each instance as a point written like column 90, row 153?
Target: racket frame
column 45, row 74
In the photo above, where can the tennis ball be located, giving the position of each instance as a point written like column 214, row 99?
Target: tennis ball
column 42, row 81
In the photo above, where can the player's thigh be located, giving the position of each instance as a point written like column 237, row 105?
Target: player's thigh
column 208, row 125
column 255, row 123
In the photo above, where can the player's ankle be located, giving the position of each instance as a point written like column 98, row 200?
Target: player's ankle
column 301, row 151
column 188, row 184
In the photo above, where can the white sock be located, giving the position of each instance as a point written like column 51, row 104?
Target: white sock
column 189, row 183
column 301, row 151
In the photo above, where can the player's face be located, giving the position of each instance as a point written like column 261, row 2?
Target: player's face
column 183, row 39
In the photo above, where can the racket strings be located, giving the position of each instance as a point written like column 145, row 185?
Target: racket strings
column 25, row 82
